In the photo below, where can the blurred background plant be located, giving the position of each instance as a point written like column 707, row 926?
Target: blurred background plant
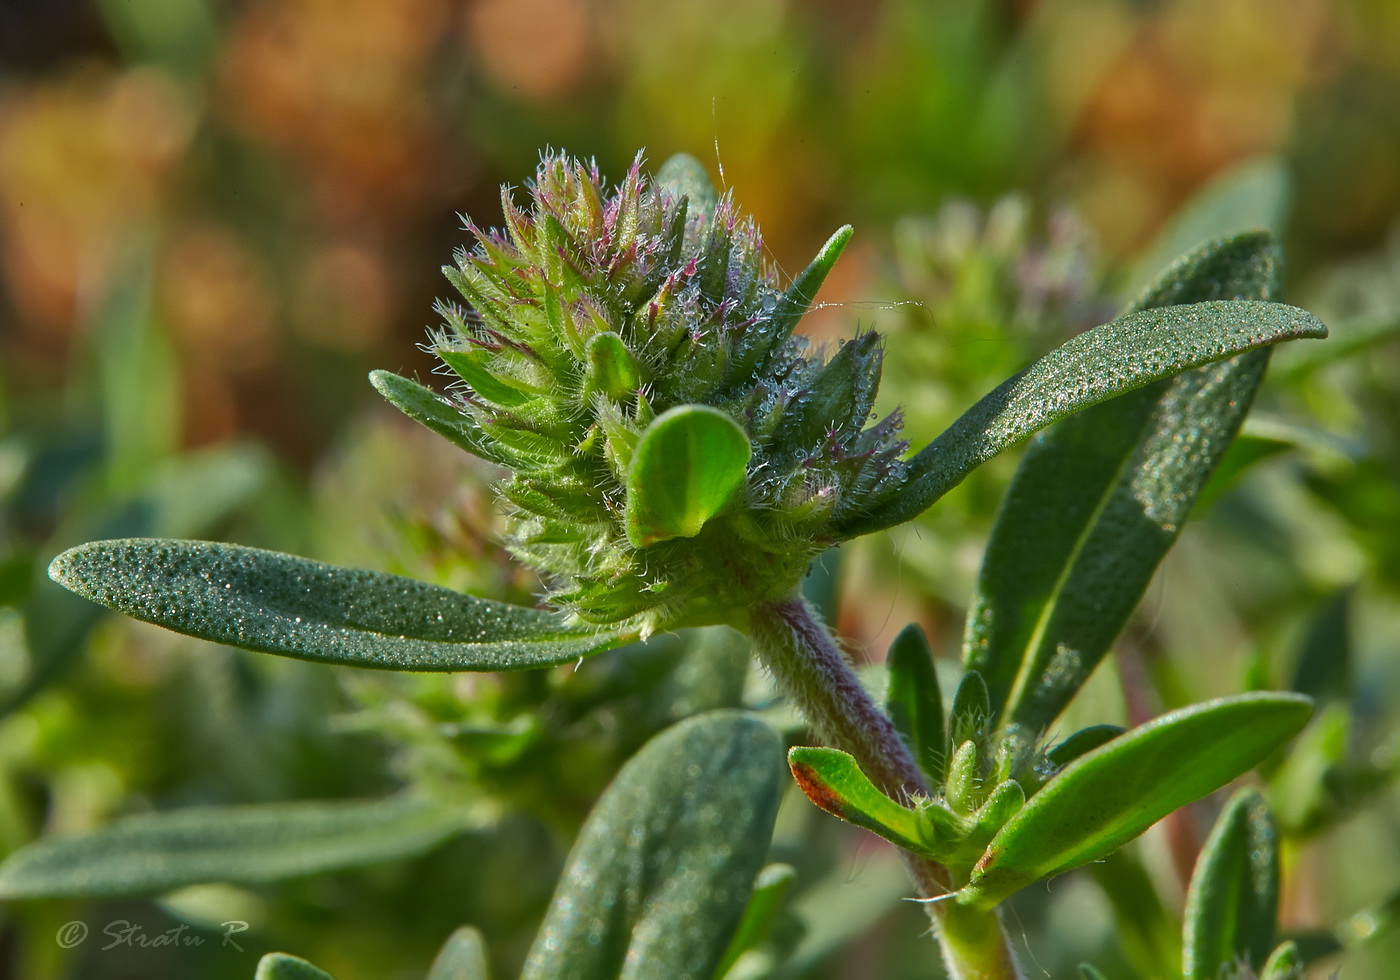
column 215, row 217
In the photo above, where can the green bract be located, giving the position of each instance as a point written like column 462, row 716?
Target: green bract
column 676, row 451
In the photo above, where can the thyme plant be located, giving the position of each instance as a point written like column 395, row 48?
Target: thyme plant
column 676, row 455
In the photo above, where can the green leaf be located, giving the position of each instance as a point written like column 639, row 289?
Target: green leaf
column 1303, row 785
column 764, row 340
column 462, row 957
column 1104, row 495
column 1285, row 963
column 687, row 464
column 970, row 719
column 963, row 788
column 280, row 966
column 1108, row 797
column 1099, row 364
column 915, row 703
column 1232, row 904
column 1082, row 742
column 1089, row 972
column 684, row 176
column 156, row 852
column 769, row 889
column 833, row 781
column 843, row 388
column 276, row 603
column 800, row 295
column 1147, row 932
column 658, row 880
column 476, row 374
column 612, row 370
column 426, row 406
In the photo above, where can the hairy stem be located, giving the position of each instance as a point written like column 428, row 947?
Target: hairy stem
column 814, row 674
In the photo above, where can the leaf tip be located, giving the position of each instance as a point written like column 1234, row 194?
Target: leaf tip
column 68, row 568
column 811, row 783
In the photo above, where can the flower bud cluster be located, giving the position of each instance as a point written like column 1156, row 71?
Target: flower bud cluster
column 592, row 312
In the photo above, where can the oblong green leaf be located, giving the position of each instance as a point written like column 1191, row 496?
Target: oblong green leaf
column 799, row 296
column 277, row 603
column 763, row 341
column 1106, row 798
column 462, row 957
column 658, row 880
column 1104, row 495
column 1232, row 904
column 156, row 852
column 280, row 966
column 687, row 464
column 914, row 701
column 833, row 781
column 1109, row 360
column 428, row 408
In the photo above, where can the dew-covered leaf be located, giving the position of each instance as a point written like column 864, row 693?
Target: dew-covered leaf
column 156, row 852
column 687, row 464
column 1111, row 795
column 660, row 875
column 1104, row 495
column 1125, row 354
column 1232, row 904
column 833, row 781
column 283, row 604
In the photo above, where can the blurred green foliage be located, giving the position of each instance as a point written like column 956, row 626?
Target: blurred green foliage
column 215, row 217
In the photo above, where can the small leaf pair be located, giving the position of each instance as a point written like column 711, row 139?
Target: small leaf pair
column 1095, row 805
